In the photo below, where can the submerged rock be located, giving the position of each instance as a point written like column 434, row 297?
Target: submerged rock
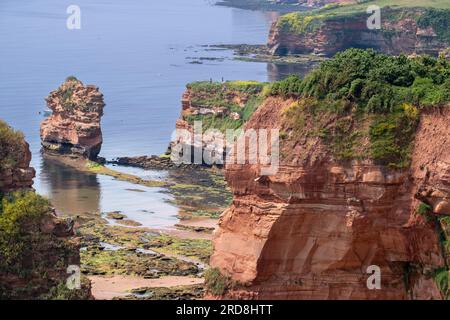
column 74, row 126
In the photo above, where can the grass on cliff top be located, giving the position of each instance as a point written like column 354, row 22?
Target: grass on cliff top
column 360, row 87
column 436, row 15
column 377, row 83
column 217, row 94
column 11, row 142
column 250, row 87
column 362, row 5
column 222, row 123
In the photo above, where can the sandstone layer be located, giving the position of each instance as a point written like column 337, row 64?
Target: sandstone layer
column 19, row 175
column 312, row 230
column 74, row 126
column 397, row 34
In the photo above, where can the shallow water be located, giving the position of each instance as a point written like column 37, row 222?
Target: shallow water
column 138, row 52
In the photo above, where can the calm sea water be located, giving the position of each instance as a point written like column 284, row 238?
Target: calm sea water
column 138, row 52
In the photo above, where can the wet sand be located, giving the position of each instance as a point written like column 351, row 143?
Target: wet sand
column 109, row 287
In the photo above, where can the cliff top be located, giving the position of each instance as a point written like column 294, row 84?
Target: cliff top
column 435, row 14
column 73, row 96
column 361, row 105
column 221, row 105
column 249, row 86
column 361, row 6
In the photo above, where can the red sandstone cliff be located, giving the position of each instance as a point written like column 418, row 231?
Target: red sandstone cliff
column 337, row 33
column 312, row 230
column 21, row 175
column 16, row 173
column 74, row 126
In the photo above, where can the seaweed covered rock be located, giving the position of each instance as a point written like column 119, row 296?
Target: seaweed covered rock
column 74, row 126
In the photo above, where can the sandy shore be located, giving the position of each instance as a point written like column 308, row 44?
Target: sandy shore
column 108, row 287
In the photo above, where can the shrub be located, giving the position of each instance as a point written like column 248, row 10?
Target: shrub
column 438, row 19
column 11, row 146
column 389, row 92
column 62, row 292
column 391, row 136
column 442, row 279
column 375, row 82
column 299, row 23
column 20, row 214
column 424, row 209
column 250, row 87
column 71, row 78
column 216, row 282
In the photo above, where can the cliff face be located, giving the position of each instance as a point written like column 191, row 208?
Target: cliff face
column 312, row 230
column 15, row 157
column 20, row 175
column 399, row 33
column 74, row 126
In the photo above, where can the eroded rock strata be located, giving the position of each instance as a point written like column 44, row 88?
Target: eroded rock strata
column 328, row 32
column 15, row 170
column 363, row 185
column 312, row 230
column 33, row 241
column 74, row 126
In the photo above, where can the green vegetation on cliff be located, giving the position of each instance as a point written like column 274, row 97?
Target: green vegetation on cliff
column 217, row 283
column 238, row 97
column 439, row 20
column 442, row 276
column 11, row 143
column 377, row 83
column 33, row 261
column 217, row 92
column 372, row 97
column 427, row 13
column 19, row 212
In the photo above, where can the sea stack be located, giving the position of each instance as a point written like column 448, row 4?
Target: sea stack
column 74, row 125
